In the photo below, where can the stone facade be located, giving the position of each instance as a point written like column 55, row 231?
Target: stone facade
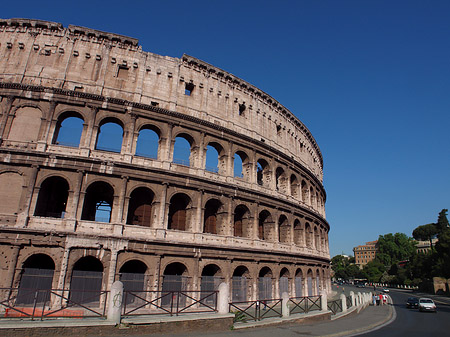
column 72, row 202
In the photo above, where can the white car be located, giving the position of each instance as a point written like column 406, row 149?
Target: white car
column 427, row 304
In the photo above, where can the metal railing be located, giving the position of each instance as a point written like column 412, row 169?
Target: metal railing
column 304, row 304
column 52, row 303
column 255, row 310
column 335, row 306
column 168, row 302
column 349, row 301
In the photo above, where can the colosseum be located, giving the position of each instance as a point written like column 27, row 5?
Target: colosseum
column 165, row 173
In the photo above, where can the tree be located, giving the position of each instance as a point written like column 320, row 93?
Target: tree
column 441, row 268
column 426, row 232
column 393, row 248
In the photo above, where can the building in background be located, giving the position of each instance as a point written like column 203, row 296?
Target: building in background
column 425, row 246
column 365, row 253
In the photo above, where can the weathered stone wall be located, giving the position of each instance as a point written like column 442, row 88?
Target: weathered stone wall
column 270, row 220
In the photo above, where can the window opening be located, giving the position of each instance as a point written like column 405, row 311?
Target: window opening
column 188, row 89
column 241, row 109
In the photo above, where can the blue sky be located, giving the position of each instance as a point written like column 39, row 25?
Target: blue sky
column 370, row 79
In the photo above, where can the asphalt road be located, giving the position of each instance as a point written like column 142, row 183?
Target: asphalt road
column 411, row 322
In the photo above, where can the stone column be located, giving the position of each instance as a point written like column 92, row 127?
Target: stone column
column 23, row 217
column 324, row 300
column 284, row 304
column 344, row 302
column 223, row 298
column 5, row 115
column 115, row 302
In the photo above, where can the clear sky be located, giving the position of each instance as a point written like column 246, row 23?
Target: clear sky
column 369, row 78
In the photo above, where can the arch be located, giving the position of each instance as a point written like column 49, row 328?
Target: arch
column 147, row 144
column 175, row 282
column 265, row 284
column 69, row 128
column 316, row 238
column 317, row 282
column 309, row 282
column 213, row 153
column 140, row 207
column 298, row 232
column 308, row 236
column 295, row 186
column 262, row 173
column 242, row 226
column 210, row 281
column 36, row 274
column 26, row 124
column 213, row 216
column 132, row 275
column 179, row 212
column 239, row 284
column 86, row 280
column 11, row 185
column 280, row 180
column 265, row 226
column 182, row 149
column 284, row 230
column 110, row 135
column 305, row 194
column 284, row 282
column 52, row 198
column 98, row 202
column 298, row 283
column 312, row 197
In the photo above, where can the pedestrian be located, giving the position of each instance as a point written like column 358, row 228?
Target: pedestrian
column 381, row 299
column 374, row 299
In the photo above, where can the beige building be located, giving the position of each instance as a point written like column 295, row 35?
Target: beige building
column 93, row 182
column 425, row 246
column 365, row 253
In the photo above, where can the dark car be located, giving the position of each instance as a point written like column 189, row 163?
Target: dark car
column 412, row 302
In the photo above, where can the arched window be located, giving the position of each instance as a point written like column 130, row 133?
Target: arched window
column 284, row 230
column 265, row 284
column 36, row 276
column 68, row 130
column 148, row 142
column 265, row 226
column 182, row 150
column 309, row 236
column 305, row 197
column 86, row 281
column 242, row 224
column 110, row 136
column 178, row 212
column 295, row 187
column 298, row 233
column 309, row 282
column 52, row 198
column 239, row 286
column 212, row 216
column 175, row 283
column 238, row 165
column 284, row 282
column 140, row 207
column 281, row 181
column 98, row 202
column 262, row 173
column 132, row 275
column 211, row 279
column 212, row 158
column 299, row 283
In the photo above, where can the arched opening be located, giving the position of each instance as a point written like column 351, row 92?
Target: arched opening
column 132, row 275
column 52, row 199
column 262, row 173
column 212, row 216
column 298, row 232
column 312, row 195
column 213, row 150
column 110, row 135
column 309, row 281
column 299, row 283
column 309, row 236
column 280, row 180
column 284, row 230
column 316, row 239
column 148, row 142
column 178, row 212
column 284, row 282
column 140, row 207
column 305, row 197
column 265, row 226
column 242, row 223
column 98, row 202
column 36, row 276
column 317, row 282
column 239, row 286
column 86, row 281
column 265, row 284
column 211, row 279
column 68, row 130
column 174, row 285
column 182, row 150
column 295, row 186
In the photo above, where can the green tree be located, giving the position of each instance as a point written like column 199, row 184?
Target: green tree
column 374, row 270
column 441, row 267
column 393, row 248
column 425, row 232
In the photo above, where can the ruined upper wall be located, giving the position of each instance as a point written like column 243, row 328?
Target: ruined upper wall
column 46, row 54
